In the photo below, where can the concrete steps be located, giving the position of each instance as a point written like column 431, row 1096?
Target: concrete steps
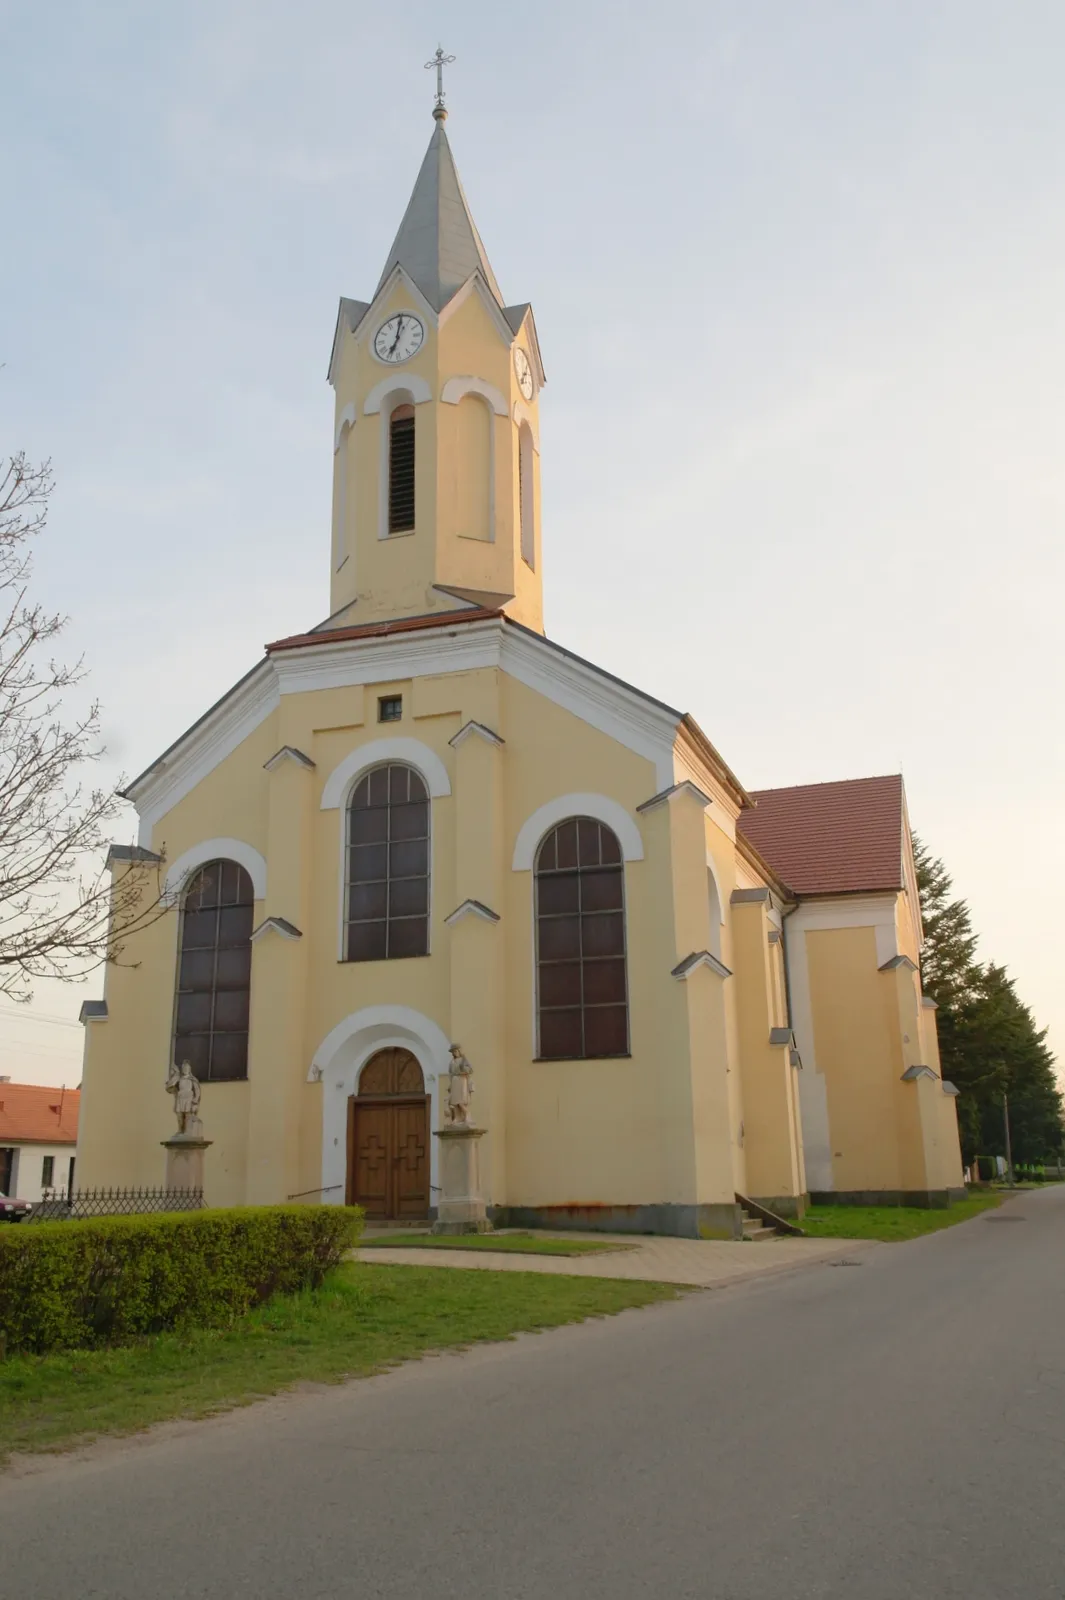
column 755, row 1229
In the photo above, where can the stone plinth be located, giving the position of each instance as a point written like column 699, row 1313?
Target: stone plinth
column 184, row 1160
column 461, row 1207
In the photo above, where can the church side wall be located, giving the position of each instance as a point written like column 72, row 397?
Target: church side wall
column 854, row 1054
column 616, row 1132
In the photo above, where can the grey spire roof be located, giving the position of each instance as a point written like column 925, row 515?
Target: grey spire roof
column 438, row 244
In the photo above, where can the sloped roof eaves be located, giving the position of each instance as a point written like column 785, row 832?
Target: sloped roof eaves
column 130, row 791
column 831, row 838
column 28, row 1114
column 718, row 766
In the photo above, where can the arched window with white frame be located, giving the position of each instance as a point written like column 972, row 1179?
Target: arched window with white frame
column 387, row 912
column 581, row 977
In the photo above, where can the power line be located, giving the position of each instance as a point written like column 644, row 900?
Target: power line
column 38, row 1016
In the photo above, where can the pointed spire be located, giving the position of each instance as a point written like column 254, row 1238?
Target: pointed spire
column 438, row 244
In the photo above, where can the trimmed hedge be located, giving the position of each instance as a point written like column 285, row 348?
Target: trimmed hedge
column 70, row 1285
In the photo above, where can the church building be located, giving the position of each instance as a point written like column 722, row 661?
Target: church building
column 424, row 822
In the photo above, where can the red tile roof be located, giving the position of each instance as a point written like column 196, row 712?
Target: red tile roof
column 31, row 1113
column 373, row 630
column 830, row 838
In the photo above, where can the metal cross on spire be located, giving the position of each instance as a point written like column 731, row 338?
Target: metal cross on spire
column 439, row 61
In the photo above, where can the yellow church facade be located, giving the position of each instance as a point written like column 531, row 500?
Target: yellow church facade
column 423, row 822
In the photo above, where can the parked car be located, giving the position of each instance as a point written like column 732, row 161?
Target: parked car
column 14, row 1210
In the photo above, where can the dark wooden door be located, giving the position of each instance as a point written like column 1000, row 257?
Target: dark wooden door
column 370, row 1158
column 388, row 1139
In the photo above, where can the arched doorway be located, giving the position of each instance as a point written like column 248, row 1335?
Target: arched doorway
column 388, row 1139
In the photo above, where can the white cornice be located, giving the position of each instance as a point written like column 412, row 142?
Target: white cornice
column 640, row 725
column 477, row 728
column 471, row 908
column 685, row 787
column 697, row 959
column 396, row 278
column 288, row 753
column 207, row 742
column 343, row 663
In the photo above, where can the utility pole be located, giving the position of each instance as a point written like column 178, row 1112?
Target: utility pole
column 1009, row 1153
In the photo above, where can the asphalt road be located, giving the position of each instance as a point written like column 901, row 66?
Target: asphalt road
column 888, row 1431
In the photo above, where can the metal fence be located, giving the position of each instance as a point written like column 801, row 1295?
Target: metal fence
column 57, row 1205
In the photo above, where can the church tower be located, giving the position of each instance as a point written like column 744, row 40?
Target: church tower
column 436, row 482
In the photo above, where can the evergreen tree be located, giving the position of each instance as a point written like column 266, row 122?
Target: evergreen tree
column 988, row 1041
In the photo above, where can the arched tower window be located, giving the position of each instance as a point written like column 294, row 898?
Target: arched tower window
column 214, row 973
column 388, row 866
column 526, row 512
column 401, row 470
column 582, row 990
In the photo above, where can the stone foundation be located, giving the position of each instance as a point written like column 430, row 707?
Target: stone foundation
column 722, row 1221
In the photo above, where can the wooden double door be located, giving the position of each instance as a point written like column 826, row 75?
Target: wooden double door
column 388, row 1139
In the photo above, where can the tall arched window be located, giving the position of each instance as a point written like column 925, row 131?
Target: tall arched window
column 214, row 973
column 525, row 495
column 388, row 866
column 401, row 470
column 582, row 993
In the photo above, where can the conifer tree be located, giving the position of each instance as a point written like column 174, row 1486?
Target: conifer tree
column 988, row 1041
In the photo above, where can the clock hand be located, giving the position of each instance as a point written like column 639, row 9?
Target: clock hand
column 399, row 330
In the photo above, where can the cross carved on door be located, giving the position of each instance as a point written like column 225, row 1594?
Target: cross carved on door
column 373, row 1153
column 412, row 1153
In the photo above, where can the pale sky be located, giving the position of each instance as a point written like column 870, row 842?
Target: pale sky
column 797, row 273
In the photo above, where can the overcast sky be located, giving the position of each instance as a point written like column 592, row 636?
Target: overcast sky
column 797, row 273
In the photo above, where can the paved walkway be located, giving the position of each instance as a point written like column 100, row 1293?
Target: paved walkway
column 704, row 1263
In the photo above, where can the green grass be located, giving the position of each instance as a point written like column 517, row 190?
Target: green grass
column 891, row 1223
column 528, row 1244
column 364, row 1319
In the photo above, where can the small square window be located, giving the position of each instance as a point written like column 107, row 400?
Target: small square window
column 390, row 708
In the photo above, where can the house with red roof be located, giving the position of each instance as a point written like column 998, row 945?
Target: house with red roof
column 38, row 1138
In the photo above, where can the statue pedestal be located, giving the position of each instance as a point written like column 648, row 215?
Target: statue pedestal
column 184, row 1160
column 461, row 1208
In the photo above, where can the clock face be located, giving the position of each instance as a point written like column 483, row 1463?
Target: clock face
column 524, row 372
column 399, row 338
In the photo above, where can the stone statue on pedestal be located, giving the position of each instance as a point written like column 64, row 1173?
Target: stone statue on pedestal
column 461, row 1208
column 185, row 1089
column 184, row 1149
column 459, row 1088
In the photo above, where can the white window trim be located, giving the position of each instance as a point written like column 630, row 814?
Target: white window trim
column 337, row 796
column 456, row 389
column 414, row 389
column 564, row 806
column 412, row 752
column 198, row 855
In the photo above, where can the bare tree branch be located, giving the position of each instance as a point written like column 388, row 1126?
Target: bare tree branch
column 60, row 915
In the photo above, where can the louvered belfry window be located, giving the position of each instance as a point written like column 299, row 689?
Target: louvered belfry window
column 401, row 470
column 214, row 975
column 582, row 990
column 388, row 866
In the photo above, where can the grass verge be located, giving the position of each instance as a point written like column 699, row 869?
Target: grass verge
column 891, row 1223
column 362, row 1320
column 527, row 1244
